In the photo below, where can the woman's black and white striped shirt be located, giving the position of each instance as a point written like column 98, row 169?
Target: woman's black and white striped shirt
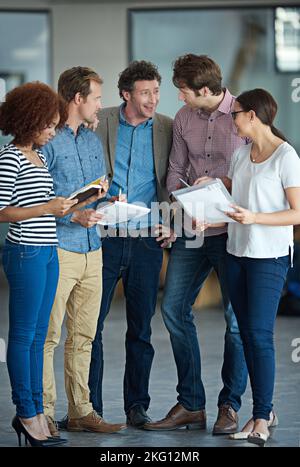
column 23, row 184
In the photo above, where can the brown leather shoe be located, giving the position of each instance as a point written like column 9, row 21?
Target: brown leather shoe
column 227, row 421
column 94, row 423
column 179, row 417
column 52, row 425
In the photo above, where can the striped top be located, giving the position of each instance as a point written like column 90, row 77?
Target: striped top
column 23, row 184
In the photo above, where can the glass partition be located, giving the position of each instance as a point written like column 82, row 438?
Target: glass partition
column 241, row 40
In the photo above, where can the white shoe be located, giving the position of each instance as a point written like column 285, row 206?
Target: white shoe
column 240, row 435
column 243, row 435
column 258, row 438
column 273, row 420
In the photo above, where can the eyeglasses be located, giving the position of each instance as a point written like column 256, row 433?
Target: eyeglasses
column 234, row 114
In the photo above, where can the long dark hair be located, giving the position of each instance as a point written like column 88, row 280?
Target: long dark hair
column 264, row 105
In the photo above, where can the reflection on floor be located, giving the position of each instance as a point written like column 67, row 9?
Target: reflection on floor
column 210, row 326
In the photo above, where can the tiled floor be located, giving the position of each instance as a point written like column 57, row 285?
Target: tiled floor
column 210, row 325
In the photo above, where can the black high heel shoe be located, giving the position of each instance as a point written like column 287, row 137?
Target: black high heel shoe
column 20, row 429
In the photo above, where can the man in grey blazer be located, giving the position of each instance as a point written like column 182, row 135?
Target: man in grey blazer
column 136, row 142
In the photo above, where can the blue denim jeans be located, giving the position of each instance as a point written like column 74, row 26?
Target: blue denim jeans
column 32, row 274
column 187, row 270
column 255, row 287
column 137, row 261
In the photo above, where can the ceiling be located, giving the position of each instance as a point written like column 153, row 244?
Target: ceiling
column 181, row 3
column 147, row 3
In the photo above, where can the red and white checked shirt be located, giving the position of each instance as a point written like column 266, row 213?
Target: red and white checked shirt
column 203, row 144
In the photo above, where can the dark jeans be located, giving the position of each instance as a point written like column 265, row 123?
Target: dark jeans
column 187, row 270
column 137, row 261
column 255, row 287
column 32, row 273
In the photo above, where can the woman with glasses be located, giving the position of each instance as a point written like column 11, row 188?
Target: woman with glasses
column 265, row 179
column 31, row 113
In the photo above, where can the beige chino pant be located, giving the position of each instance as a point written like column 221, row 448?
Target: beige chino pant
column 78, row 295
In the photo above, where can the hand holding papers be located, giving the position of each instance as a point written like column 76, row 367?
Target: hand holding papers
column 117, row 212
column 206, row 202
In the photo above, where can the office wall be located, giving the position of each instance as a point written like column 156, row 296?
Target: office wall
column 92, row 35
column 95, row 33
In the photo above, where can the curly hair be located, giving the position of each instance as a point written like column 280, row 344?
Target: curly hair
column 28, row 109
column 137, row 71
column 197, row 71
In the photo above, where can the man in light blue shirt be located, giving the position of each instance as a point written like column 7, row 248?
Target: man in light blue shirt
column 135, row 150
column 75, row 158
column 136, row 142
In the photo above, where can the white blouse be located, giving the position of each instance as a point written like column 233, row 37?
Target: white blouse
column 260, row 187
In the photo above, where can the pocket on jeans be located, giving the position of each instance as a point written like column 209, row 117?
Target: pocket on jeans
column 29, row 251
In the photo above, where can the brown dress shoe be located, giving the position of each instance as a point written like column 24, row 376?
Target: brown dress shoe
column 227, row 421
column 52, row 425
column 94, row 423
column 179, row 417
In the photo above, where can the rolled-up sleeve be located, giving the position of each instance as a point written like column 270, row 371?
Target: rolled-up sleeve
column 179, row 160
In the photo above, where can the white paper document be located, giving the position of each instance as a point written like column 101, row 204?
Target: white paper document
column 117, row 212
column 206, row 202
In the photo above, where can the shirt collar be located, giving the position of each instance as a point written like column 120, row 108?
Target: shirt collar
column 123, row 121
column 226, row 103
column 70, row 131
column 224, row 106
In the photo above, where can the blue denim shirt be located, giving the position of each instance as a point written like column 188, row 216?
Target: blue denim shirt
column 74, row 161
column 134, row 170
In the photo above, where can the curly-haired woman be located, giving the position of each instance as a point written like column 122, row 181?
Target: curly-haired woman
column 31, row 113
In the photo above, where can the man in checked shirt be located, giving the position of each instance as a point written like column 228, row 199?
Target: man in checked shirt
column 204, row 140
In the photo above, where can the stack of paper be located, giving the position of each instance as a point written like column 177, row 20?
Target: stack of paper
column 207, row 202
column 117, row 212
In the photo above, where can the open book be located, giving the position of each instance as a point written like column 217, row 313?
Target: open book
column 119, row 211
column 88, row 190
column 206, row 202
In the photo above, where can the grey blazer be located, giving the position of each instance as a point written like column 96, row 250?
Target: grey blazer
column 162, row 141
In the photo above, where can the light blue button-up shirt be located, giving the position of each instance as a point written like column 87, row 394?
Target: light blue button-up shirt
column 74, row 161
column 134, row 170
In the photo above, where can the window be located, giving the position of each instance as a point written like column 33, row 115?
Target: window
column 24, row 50
column 240, row 39
column 287, row 39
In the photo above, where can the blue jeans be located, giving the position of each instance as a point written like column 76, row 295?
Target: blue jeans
column 187, row 270
column 32, row 274
column 255, row 287
column 137, row 261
